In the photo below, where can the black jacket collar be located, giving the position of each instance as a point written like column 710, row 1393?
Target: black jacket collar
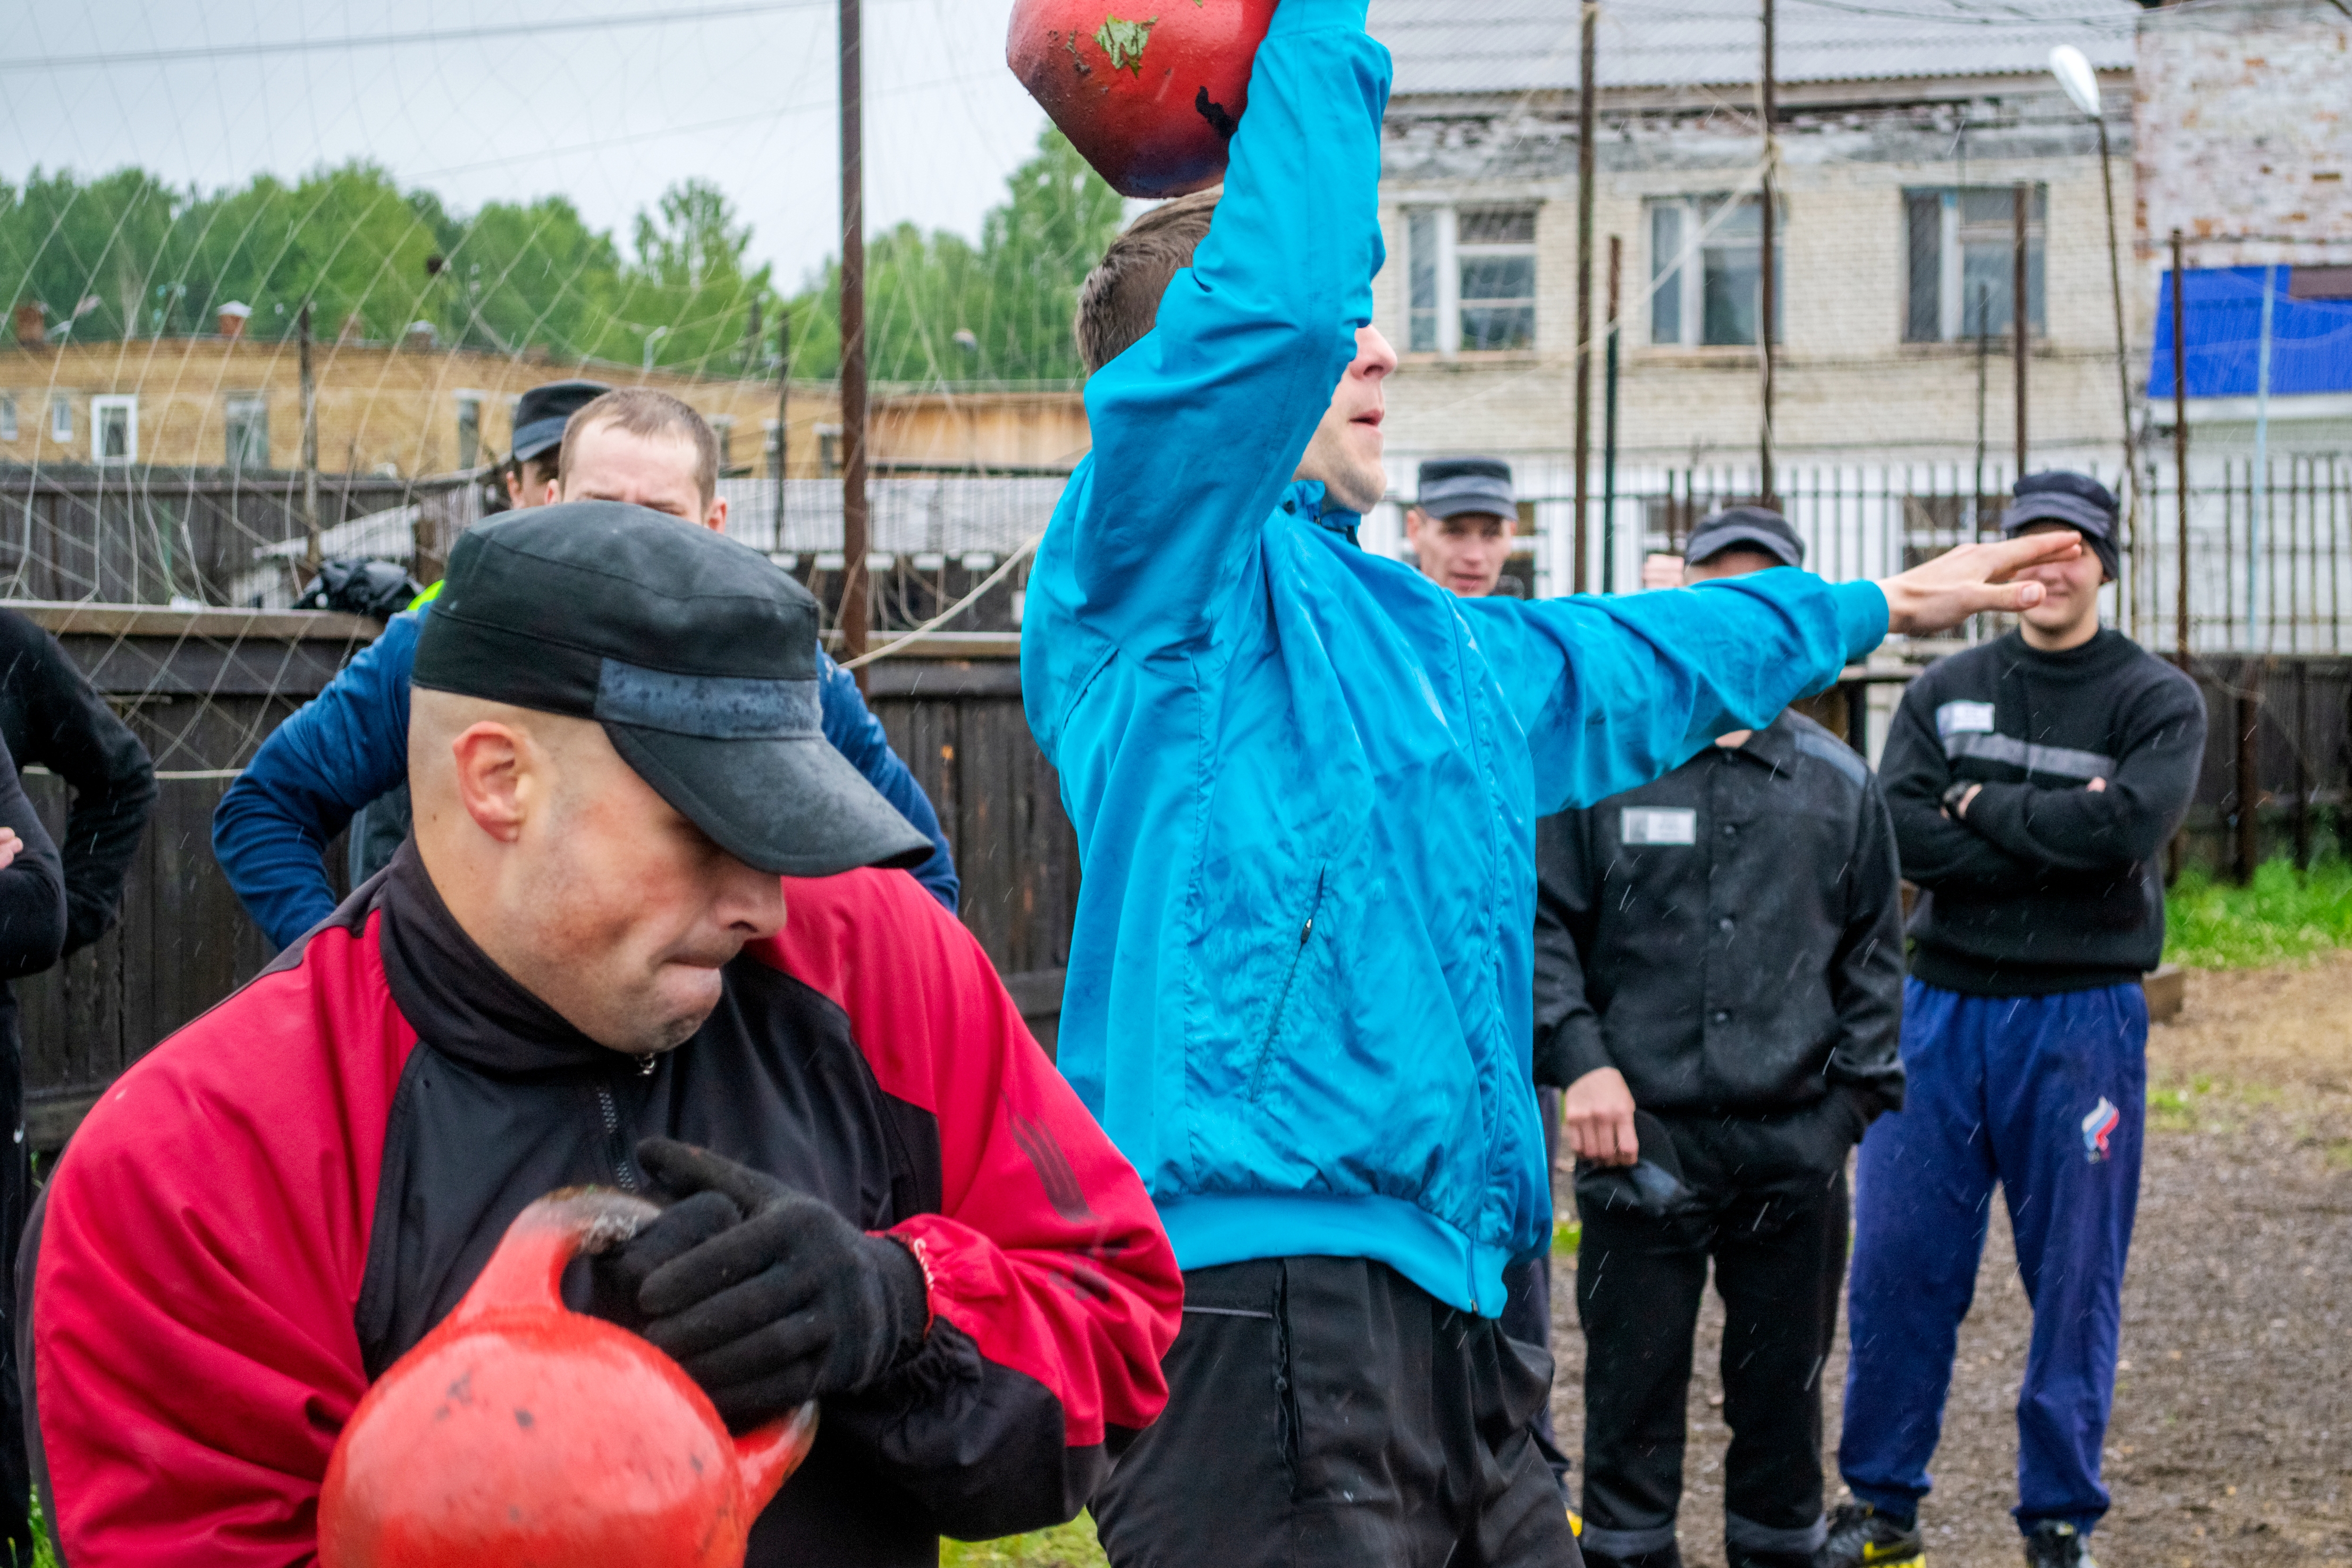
column 457, row 999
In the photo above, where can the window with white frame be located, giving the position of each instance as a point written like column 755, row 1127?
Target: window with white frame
column 249, row 431
column 1470, row 279
column 60, row 416
column 1963, row 245
column 114, row 429
column 7, row 416
column 1706, row 285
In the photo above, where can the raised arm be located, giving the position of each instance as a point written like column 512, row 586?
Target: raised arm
column 337, row 753
column 76, row 736
column 2140, row 800
column 1200, row 426
column 857, row 735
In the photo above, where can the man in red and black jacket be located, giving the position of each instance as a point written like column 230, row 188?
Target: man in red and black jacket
column 597, row 961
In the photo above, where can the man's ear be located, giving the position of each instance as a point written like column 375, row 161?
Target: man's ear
column 492, row 761
column 714, row 516
column 1414, row 518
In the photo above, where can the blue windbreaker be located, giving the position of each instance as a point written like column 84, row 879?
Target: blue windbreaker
column 349, row 745
column 1305, row 780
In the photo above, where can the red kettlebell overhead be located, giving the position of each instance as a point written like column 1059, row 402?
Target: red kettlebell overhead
column 1149, row 91
column 519, row 1432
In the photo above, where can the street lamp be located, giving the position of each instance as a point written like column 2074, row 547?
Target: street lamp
column 2082, row 87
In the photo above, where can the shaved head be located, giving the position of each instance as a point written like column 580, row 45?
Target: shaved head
column 574, row 875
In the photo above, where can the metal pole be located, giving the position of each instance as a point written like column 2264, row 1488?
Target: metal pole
column 783, row 419
column 1608, row 433
column 2021, row 319
column 1766, row 300
column 2257, row 509
column 852, row 341
column 1586, row 118
column 315, row 553
column 1984, row 349
column 2123, row 382
column 2180, row 444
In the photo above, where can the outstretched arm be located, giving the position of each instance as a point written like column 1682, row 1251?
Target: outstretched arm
column 1200, row 426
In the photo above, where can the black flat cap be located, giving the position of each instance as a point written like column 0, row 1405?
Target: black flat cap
column 1756, row 527
column 2078, row 501
column 541, row 413
column 696, row 655
column 1449, row 487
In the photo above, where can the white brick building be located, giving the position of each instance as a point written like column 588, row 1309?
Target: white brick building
column 1904, row 127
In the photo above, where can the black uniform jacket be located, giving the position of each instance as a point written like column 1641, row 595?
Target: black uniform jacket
column 1730, row 938
column 51, row 717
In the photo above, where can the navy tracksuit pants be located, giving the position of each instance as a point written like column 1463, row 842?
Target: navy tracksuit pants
column 2044, row 1095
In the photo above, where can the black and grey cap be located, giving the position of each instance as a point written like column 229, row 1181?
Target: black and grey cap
column 2078, row 501
column 541, row 414
column 1756, row 527
column 699, row 657
column 1449, row 487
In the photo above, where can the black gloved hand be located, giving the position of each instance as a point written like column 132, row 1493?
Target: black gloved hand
column 765, row 1295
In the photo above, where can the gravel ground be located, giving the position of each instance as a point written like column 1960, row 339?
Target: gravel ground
column 2233, row 1433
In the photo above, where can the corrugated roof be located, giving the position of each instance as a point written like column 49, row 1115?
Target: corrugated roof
column 1520, row 46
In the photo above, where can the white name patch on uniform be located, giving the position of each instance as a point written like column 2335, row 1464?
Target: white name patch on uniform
column 1964, row 719
column 1658, row 824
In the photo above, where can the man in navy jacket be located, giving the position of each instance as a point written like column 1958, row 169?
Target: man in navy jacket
column 1304, row 781
column 349, row 745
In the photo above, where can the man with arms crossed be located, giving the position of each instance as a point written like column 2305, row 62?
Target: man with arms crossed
column 1304, row 783
column 584, row 968
column 2034, row 779
column 349, row 746
column 1719, row 985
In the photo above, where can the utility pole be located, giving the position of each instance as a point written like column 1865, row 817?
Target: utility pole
column 2180, row 445
column 852, row 341
column 314, row 555
column 1768, row 304
column 1609, row 432
column 1586, row 120
column 783, row 419
column 2123, row 380
column 1984, row 346
column 2021, row 319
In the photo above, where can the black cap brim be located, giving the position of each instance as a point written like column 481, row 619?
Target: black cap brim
column 789, row 805
column 538, row 436
column 1709, row 542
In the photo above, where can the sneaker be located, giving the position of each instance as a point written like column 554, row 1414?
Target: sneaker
column 1861, row 1537
column 2055, row 1543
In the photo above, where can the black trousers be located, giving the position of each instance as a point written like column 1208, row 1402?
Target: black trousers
column 1527, row 1287
column 16, row 1205
column 1328, row 1411
column 1780, row 1263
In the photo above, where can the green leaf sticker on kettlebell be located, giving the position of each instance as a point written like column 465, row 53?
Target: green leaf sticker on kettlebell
column 1124, row 41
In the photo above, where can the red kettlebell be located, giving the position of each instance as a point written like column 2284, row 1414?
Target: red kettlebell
column 1149, row 99
column 519, row 1432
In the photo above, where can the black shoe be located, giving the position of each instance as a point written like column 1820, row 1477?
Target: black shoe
column 1861, row 1537
column 2055, row 1543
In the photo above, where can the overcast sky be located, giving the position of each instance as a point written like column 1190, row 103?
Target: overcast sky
column 740, row 91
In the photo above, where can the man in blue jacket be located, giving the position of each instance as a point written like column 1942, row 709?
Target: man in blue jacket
column 349, row 745
column 1305, row 782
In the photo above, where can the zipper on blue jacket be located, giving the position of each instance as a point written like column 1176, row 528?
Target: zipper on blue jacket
column 1282, row 997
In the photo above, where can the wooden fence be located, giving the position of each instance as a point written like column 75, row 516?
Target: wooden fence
column 202, row 688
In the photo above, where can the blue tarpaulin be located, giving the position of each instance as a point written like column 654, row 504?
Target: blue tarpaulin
column 2311, row 340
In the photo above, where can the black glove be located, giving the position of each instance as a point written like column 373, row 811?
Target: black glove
column 766, row 1296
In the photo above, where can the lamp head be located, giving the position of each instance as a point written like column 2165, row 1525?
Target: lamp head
column 2073, row 73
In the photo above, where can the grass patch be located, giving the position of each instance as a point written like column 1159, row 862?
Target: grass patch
column 1071, row 1546
column 1565, row 1234
column 2284, row 916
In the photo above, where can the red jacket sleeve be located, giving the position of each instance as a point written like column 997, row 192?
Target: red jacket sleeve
column 1046, row 1259
column 200, row 1253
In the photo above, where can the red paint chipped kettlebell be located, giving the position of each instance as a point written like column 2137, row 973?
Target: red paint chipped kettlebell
column 1148, row 93
column 517, row 1433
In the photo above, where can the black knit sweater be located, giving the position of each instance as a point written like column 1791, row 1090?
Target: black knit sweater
column 2045, row 885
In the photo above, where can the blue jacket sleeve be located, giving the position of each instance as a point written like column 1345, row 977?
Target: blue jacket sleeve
column 857, row 734
column 1201, row 425
column 1614, row 692
column 337, row 753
